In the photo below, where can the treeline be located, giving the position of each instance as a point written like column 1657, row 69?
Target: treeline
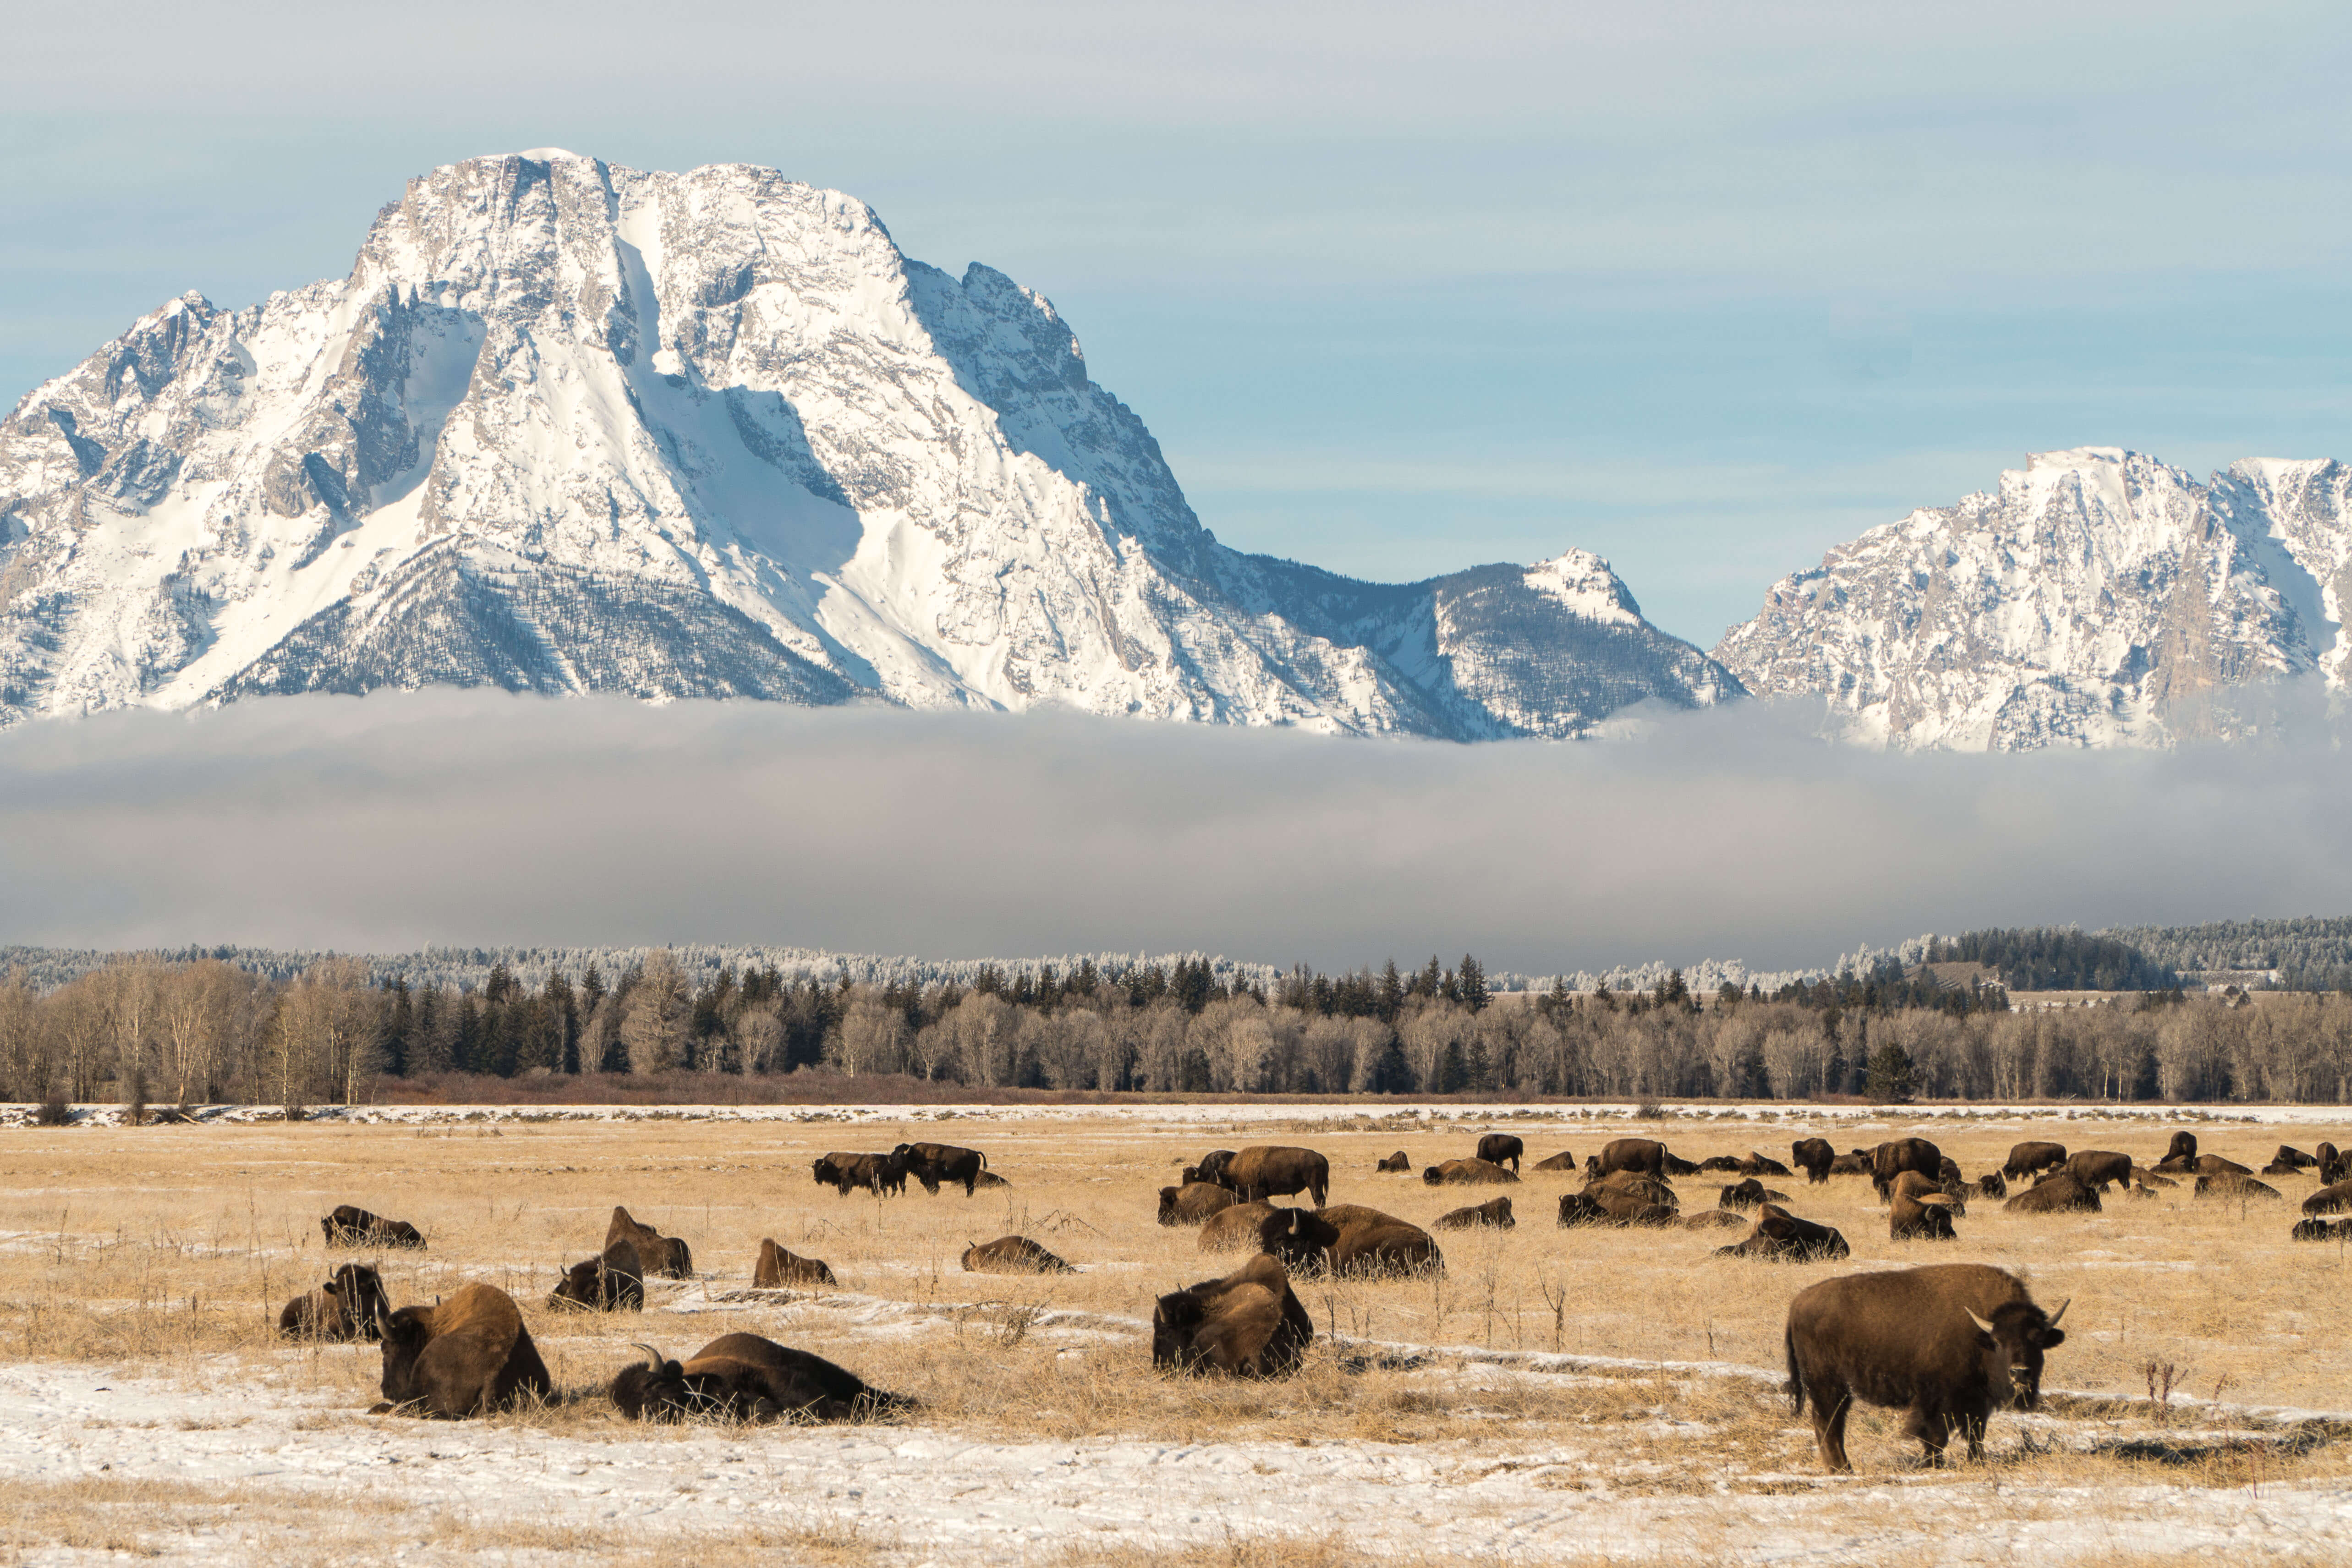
column 2309, row 953
column 157, row 1032
column 2051, row 958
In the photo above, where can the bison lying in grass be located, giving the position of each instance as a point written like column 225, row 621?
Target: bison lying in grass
column 743, row 1377
column 344, row 1308
column 349, row 1227
column 775, row 1269
column 1947, row 1345
column 1194, row 1202
column 1237, row 1227
column 1746, row 1194
column 1563, row 1161
column 2329, row 1200
column 1781, row 1236
column 1011, row 1255
column 1466, row 1173
column 1395, row 1162
column 2230, row 1184
column 2321, row 1230
column 1495, row 1212
column 612, row 1281
column 466, row 1356
column 1350, row 1239
column 1918, row 1210
column 2060, row 1193
column 666, row 1256
column 1248, row 1324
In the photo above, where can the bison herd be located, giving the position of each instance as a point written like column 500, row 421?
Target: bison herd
column 1947, row 1345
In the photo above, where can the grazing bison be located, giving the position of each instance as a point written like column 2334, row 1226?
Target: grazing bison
column 1396, row 1162
column 611, row 1281
column 1950, row 1344
column 344, row 1308
column 1462, row 1172
column 2334, row 1199
column 1272, row 1171
column 1992, row 1185
column 1194, row 1202
column 1248, row 1324
column 934, row 1163
column 2333, row 1166
column 2229, row 1184
column 1644, row 1154
column 1814, row 1156
column 2097, row 1167
column 1235, row 1228
column 348, row 1227
column 1563, row 1161
column 664, row 1256
column 1782, row 1235
column 2033, row 1159
column 466, row 1356
column 1501, row 1149
column 1212, row 1167
column 2180, row 1155
column 776, row 1268
column 743, row 1377
column 2321, row 1230
column 1890, row 1160
column 881, row 1174
column 1011, row 1255
column 2062, row 1191
column 1918, row 1210
column 1494, row 1212
column 1749, row 1195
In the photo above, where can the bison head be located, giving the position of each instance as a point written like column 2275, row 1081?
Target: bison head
column 404, row 1333
column 2012, row 1344
column 656, row 1391
column 361, row 1290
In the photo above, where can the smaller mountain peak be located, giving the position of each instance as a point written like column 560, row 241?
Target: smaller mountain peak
column 1585, row 583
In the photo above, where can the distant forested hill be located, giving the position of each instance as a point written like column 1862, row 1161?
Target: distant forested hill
column 2311, row 952
column 2055, row 958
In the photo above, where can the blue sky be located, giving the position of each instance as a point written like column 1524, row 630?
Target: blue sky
column 1705, row 287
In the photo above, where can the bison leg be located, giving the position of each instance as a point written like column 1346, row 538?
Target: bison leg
column 1831, row 1405
column 1932, row 1429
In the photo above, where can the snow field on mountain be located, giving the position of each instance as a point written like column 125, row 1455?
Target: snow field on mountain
column 145, row 1406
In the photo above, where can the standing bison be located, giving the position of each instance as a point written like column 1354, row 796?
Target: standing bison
column 612, row 1281
column 1248, row 1324
column 743, row 1377
column 2097, row 1167
column 1644, row 1154
column 2033, row 1159
column 934, row 1163
column 664, row 1256
column 1814, row 1156
column 1194, row 1202
column 349, row 1227
column 344, row 1308
column 1890, row 1160
column 466, row 1356
column 1501, row 1149
column 881, row 1174
column 1272, row 1171
column 1212, row 1167
column 775, row 1269
column 1949, row 1344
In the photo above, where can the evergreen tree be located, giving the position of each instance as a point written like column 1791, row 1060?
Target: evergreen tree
column 1751, row 1079
column 1392, row 1002
column 1426, row 982
column 1890, row 1074
column 1392, row 1074
column 399, row 1023
column 1452, row 1072
column 1471, row 980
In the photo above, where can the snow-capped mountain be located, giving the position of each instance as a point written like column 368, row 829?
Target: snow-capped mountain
column 571, row 427
column 2099, row 598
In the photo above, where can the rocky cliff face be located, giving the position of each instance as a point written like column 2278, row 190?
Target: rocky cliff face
column 2098, row 597
column 569, row 427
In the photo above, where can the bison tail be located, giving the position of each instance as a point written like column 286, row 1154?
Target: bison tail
column 1795, row 1387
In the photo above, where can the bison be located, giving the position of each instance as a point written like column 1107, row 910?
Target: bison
column 1949, row 1344
column 2229, row 1184
column 1919, row 1210
column 2321, row 1230
column 1719, row 1163
column 1350, row 1239
column 881, row 1174
column 611, row 1281
column 1234, row 1228
column 1248, row 1324
column 1634, row 1184
column 1563, row 1161
column 1466, row 1172
column 1601, row 1204
column 1194, row 1202
column 2293, row 1158
column 743, row 1377
column 2062, row 1191
column 1272, row 1171
column 1814, row 1156
column 1011, row 1255
column 2097, row 1167
column 1890, row 1160
column 934, row 1163
column 2333, row 1166
column 1495, row 1212
column 2215, row 1166
column 1855, row 1162
column 1749, row 1193
column 1644, row 1154
column 1715, row 1219
column 1992, row 1185
column 2329, row 1200
column 344, row 1308
column 2180, row 1155
column 664, row 1256
column 466, row 1356
column 1397, row 1162
column 1501, row 1149
column 2033, row 1159
column 348, row 1227
column 775, row 1269
column 1782, row 1235
column 1757, row 1164
column 1212, row 1167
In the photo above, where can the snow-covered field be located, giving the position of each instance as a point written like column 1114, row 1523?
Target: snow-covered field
column 147, row 1411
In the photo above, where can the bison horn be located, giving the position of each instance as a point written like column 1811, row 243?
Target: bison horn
column 653, row 1358
column 2060, row 1311
column 1979, row 1323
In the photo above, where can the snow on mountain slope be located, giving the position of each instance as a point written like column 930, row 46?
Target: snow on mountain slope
column 571, row 427
column 2099, row 598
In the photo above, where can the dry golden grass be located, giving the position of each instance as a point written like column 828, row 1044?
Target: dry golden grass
column 172, row 1248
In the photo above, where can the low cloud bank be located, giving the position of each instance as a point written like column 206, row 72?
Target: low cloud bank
column 468, row 817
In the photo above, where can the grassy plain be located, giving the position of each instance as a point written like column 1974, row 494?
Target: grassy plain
column 165, row 1252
